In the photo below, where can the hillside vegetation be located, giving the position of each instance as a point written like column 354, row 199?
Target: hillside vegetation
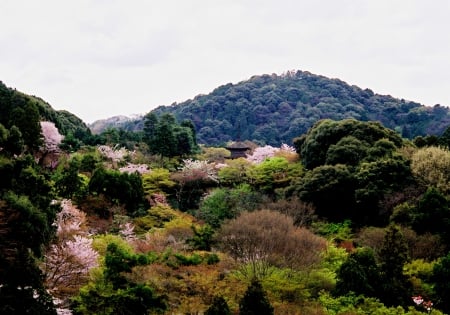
column 352, row 219
column 274, row 109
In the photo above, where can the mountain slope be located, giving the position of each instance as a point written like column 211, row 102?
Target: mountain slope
column 11, row 100
column 273, row 109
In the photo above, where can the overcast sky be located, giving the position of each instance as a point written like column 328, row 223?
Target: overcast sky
column 102, row 58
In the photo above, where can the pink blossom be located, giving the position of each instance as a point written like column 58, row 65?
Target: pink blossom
column 133, row 168
column 115, row 154
column 193, row 167
column 127, row 231
column 52, row 137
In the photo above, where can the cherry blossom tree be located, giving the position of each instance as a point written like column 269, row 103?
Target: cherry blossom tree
column 68, row 261
column 52, row 137
column 268, row 151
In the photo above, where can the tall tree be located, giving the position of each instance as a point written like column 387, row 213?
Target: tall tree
column 396, row 288
column 255, row 301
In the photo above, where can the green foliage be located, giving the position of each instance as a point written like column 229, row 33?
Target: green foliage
column 255, row 301
column 334, row 181
column 203, row 237
column 222, row 204
column 235, row 173
column 287, row 286
column 344, row 141
column 26, row 218
column 432, row 214
column 167, row 138
column 67, row 180
column 192, row 260
column 156, row 217
column 274, row 109
column 361, row 305
column 157, row 181
column 101, row 299
column 219, row 306
column 122, row 188
column 113, row 292
column 273, row 174
column 334, row 230
column 359, row 274
column 441, row 277
column 396, row 288
column 431, row 165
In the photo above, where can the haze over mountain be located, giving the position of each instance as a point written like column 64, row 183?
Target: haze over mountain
column 274, row 109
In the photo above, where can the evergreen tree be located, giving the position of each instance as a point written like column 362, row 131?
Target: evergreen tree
column 218, row 307
column 255, row 301
column 396, row 288
column 441, row 277
column 359, row 274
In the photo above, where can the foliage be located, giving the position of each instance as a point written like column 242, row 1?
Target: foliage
column 332, row 141
column 203, row 237
column 219, row 306
column 122, row 188
column 396, row 288
column 234, row 172
column 273, row 174
column 359, row 304
column 254, row 301
column 168, row 139
column 26, row 217
column 222, row 204
column 71, row 256
column 113, row 293
column 432, row 166
column 274, row 109
column 157, row 181
column 359, row 274
column 441, row 277
column 265, row 238
column 432, row 214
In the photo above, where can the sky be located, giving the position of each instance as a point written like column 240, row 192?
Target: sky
column 102, row 58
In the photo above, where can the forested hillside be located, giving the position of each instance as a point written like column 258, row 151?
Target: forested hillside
column 352, row 219
column 15, row 104
column 274, row 109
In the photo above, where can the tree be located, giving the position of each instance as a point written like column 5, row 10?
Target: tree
column 396, row 288
column 27, row 119
column 113, row 293
column 150, row 125
column 327, row 140
column 359, row 274
column 441, row 279
column 273, row 173
column 219, row 306
column 262, row 239
column 168, row 139
column 25, row 227
column 254, row 301
column 432, row 214
column 431, row 165
column 337, row 183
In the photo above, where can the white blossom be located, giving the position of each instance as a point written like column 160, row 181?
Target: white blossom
column 207, row 168
column 115, row 154
column 52, row 137
column 133, row 168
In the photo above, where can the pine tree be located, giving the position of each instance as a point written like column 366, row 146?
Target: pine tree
column 218, row 307
column 393, row 255
column 255, row 301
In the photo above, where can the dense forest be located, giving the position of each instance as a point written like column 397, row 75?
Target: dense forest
column 353, row 218
column 274, row 109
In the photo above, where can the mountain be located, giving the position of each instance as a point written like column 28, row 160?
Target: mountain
column 13, row 101
column 274, row 109
column 120, row 122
